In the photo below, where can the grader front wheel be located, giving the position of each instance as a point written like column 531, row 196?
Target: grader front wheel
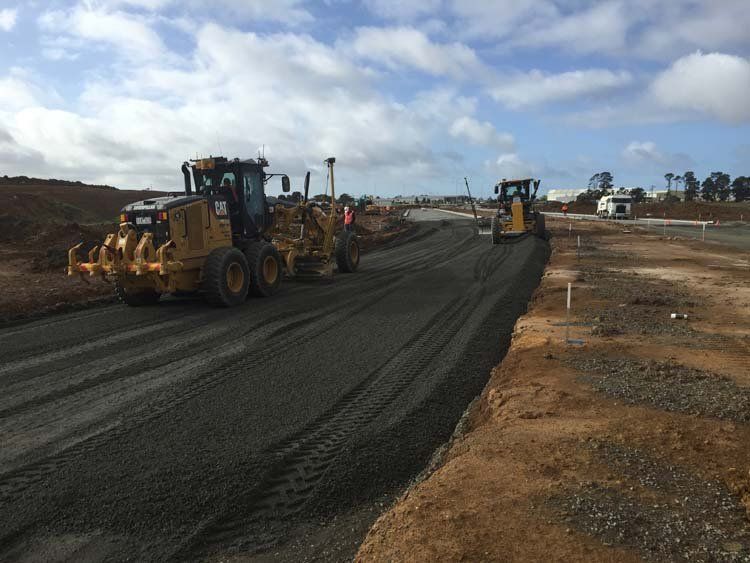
column 265, row 266
column 497, row 237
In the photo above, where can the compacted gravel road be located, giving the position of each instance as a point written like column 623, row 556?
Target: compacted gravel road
column 184, row 432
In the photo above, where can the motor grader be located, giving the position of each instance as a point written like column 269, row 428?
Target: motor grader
column 515, row 216
column 224, row 238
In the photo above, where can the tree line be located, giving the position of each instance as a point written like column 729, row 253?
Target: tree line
column 718, row 186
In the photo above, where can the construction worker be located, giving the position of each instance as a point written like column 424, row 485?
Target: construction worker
column 565, row 209
column 348, row 218
column 228, row 189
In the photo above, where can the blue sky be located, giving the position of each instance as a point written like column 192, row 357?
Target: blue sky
column 410, row 96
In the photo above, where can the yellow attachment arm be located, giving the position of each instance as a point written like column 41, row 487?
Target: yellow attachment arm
column 73, row 260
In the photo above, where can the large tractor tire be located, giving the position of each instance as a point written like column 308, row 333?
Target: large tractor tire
column 265, row 266
column 136, row 297
column 346, row 251
column 497, row 237
column 540, row 228
column 226, row 277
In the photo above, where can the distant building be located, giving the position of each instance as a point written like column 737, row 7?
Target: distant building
column 661, row 195
column 564, row 195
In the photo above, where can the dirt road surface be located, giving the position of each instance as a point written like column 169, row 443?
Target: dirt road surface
column 272, row 430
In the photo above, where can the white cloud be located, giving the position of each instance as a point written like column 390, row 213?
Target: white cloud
column 631, row 28
column 598, row 28
column 648, row 154
column 311, row 101
column 397, row 47
column 481, row 133
column 714, row 84
column 16, row 94
column 640, row 151
column 288, row 12
column 510, row 165
column 402, row 10
column 536, row 87
column 129, row 33
column 8, row 19
column 498, row 19
column 704, row 25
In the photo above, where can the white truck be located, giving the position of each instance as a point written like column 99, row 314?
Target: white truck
column 616, row 206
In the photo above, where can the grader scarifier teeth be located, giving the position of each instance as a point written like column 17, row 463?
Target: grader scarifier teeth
column 122, row 253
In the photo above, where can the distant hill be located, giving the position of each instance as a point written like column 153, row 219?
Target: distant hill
column 62, row 201
column 25, row 180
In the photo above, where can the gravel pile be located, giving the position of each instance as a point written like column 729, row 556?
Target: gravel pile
column 665, row 513
column 635, row 304
column 667, row 386
column 633, row 289
column 635, row 320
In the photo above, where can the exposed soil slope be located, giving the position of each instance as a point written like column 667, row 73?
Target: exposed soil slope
column 632, row 446
column 29, row 200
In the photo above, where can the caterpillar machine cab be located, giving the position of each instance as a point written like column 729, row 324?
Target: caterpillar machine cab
column 224, row 237
column 515, row 216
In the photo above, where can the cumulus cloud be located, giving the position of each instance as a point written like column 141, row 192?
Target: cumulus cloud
column 702, row 25
column 636, row 28
column 402, row 9
column 481, row 133
column 601, row 27
column 290, row 12
column 537, row 87
column 15, row 93
column 129, row 33
column 8, row 19
column 510, row 165
column 714, row 84
column 310, row 102
column 398, row 47
column 647, row 153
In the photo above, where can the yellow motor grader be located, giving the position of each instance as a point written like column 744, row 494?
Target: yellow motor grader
column 223, row 237
column 515, row 217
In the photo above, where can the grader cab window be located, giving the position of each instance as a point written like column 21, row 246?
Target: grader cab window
column 254, row 198
column 214, row 182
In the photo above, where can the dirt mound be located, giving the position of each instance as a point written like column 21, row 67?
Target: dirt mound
column 29, row 199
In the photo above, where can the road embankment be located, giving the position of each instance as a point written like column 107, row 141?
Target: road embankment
column 630, row 445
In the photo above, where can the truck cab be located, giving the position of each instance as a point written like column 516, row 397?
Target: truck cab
column 614, row 206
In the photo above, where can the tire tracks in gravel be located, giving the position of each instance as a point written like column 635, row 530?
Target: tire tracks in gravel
column 113, row 368
column 302, row 460
column 226, row 365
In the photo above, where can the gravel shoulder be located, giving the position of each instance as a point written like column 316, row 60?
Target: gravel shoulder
column 631, row 446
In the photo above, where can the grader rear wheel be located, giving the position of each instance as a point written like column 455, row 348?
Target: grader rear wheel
column 347, row 252
column 225, row 277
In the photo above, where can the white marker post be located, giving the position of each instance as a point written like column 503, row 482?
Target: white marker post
column 578, row 248
column 567, row 315
column 703, row 237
